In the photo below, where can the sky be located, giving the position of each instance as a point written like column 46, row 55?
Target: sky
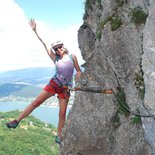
column 56, row 20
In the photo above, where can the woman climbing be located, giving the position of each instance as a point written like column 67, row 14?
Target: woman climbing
column 65, row 65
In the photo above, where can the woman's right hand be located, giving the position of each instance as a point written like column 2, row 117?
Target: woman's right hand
column 32, row 24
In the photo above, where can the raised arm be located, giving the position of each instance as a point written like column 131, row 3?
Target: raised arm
column 34, row 28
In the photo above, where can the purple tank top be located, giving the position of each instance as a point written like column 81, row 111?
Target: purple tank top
column 64, row 70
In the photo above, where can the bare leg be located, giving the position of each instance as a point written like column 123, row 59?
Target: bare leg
column 44, row 95
column 62, row 114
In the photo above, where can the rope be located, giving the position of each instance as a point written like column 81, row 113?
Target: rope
column 131, row 112
column 118, row 99
column 110, row 91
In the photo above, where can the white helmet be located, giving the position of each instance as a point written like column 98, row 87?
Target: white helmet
column 57, row 44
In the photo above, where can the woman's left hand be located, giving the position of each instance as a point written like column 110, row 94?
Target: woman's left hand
column 33, row 24
column 78, row 75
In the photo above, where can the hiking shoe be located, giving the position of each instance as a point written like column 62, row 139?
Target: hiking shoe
column 58, row 140
column 12, row 124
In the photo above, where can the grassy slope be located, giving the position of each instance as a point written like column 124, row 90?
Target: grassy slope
column 31, row 137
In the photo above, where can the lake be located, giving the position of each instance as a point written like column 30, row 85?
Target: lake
column 44, row 113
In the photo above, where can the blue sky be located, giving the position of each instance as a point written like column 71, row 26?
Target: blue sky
column 56, row 20
column 60, row 12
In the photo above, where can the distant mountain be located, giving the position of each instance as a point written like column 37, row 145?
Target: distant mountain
column 19, row 90
column 24, row 82
column 28, row 75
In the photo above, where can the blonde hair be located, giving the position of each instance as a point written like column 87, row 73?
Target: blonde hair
column 66, row 50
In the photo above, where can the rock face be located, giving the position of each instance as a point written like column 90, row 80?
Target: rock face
column 148, row 65
column 117, row 43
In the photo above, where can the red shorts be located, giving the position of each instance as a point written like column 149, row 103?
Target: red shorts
column 54, row 88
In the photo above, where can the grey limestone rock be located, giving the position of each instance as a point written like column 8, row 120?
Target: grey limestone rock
column 117, row 53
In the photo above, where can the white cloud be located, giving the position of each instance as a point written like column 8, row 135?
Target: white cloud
column 20, row 48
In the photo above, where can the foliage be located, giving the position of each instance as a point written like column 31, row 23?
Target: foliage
column 35, row 138
column 139, row 82
column 135, row 120
column 138, row 16
column 99, row 5
column 121, row 100
column 122, row 107
column 120, row 2
column 98, row 35
column 116, row 120
column 115, row 23
column 88, row 4
column 141, row 92
column 101, row 24
column 85, row 15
